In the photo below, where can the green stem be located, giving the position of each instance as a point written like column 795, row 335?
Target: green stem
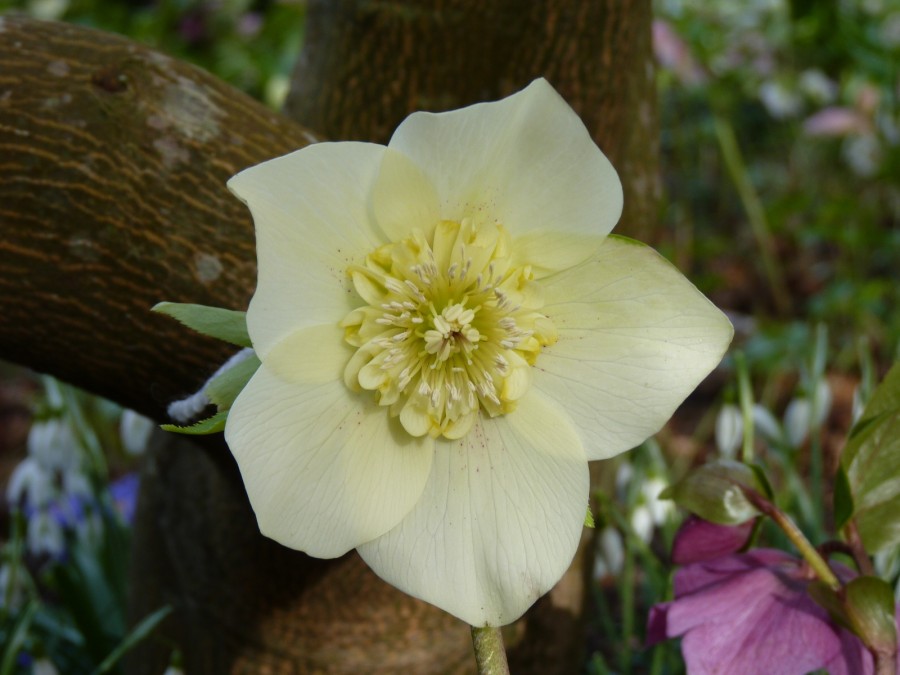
column 737, row 170
column 806, row 549
column 489, row 652
column 745, row 398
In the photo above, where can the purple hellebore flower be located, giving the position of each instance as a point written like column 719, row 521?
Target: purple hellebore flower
column 750, row 613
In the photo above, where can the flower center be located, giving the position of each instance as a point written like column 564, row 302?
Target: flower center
column 450, row 327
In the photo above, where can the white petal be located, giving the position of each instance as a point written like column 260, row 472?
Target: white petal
column 526, row 160
column 499, row 521
column 635, row 338
column 325, row 468
column 311, row 210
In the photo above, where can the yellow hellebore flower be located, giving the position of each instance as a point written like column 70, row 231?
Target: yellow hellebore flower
column 447, row 337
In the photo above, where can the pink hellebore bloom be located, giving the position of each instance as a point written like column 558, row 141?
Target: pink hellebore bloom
column 750, row 613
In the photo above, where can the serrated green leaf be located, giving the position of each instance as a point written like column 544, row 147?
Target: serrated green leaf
column 210, row 425
column 224, row 389
column 713, row 491
column 227, row 325
column 589, row 519
column 871, row 461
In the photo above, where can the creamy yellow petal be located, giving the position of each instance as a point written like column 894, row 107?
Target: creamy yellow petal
column 526, row 161
column 311, row 211
column 635, row 338
column 325, row 469
column 403, row 198
column 498, row 522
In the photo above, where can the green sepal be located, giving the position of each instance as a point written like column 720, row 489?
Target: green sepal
column 870, row 608
column 211, row 425
column 224, row 388
column 865, row 606
column 589, row 519
column 714, row 491
column 871, row 462
column 227, row 325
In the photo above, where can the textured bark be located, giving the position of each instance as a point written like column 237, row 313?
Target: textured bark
column 366, row 65
column 113, row 161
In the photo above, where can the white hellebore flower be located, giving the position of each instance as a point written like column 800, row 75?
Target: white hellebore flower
column 447, row 336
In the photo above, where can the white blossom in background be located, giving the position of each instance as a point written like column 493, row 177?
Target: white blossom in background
column 863, row 154
column 30, row 485
column 447, row 337
column 43, row 666
column 53, row 444
column 610, row 556
column 779, row 99
column 765, row 424
column 818, row 87
column 44, row 535
column 729, row 430
column 135, row 430
column 803, row 414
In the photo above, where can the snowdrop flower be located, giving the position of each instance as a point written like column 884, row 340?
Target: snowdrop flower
column 53, row 444
column 798, row 416
column 610, row 554
column 43, row 666
column 729, row 430
column 765, row 424
column 30, row 485
column 818, row 86
column 45, row 534
column 447, row 336
column 135, row 430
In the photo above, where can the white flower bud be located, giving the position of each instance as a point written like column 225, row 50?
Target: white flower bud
column 729, row 430
column 660, row 509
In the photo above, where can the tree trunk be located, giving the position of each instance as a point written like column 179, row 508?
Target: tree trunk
column 112, row 197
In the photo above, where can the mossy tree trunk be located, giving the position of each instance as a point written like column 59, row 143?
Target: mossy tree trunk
column 113, row 162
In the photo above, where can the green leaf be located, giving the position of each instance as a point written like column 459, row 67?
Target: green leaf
column 17, row 640
column 871, row 461
column 211, row 425
column 589, row 519
column 843, row 498
column 713, row 491
column 227, row 325
column 225, row 388
column 137, row 634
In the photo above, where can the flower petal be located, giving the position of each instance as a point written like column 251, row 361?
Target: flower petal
column 403, row 198
column 747, row 614
column 325, row 468
column 311, row 210
column 527, row 161
column 635, row 338
column 499, row 521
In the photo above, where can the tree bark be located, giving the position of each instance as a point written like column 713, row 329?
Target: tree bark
column 113, row 162
column 366, row 65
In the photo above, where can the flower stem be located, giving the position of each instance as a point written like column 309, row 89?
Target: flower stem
column 489, row 652
column 737, row 170
column 806, row 549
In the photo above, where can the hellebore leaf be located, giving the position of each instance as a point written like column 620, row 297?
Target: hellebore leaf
column 871, row 461
column 227, row 325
